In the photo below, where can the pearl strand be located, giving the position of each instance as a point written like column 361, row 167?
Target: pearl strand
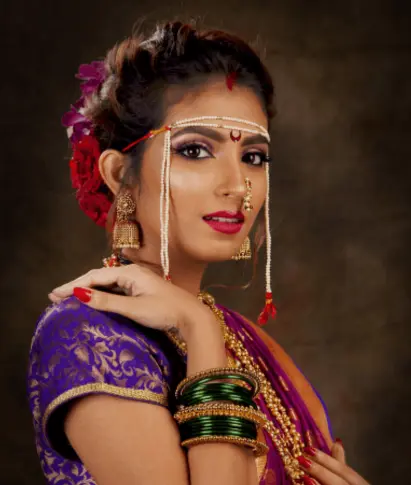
column 167, row 143
column 224, row 118
column 227, row 127
column 268, row 232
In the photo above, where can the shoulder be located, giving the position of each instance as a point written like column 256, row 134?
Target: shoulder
column 72, row 325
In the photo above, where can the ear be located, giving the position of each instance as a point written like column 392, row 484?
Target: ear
column 112, row 167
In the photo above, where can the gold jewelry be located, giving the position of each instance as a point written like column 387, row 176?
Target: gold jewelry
column 248, row 196
column 288, row 440
column 244, row 252
column 220, row 409
column 258, row 447
column 125, row 233
column 216, row 372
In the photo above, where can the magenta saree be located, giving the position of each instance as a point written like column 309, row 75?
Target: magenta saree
column 77, row 351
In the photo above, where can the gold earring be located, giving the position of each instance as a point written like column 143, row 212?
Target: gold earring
column 247, row 198
column 125, row 232
column 245, row 250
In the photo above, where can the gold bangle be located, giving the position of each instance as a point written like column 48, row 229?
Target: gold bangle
column 258, row 447
column 216, row 371
column 220, row 409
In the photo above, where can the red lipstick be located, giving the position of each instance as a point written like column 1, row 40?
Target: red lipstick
column 225, row 221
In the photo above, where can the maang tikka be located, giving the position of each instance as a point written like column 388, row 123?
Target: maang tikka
column 125, row 232
column 245, row 250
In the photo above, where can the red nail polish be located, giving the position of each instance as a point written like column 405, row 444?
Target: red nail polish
column 302, row 460
column 83, row 294
column 310, row 451
column 308, row 480
column 339, row 441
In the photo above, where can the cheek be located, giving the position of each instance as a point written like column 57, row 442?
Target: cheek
column 190, row 188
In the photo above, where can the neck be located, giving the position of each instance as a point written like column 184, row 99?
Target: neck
column 185, row 274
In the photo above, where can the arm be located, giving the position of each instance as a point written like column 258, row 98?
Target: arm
column 135, row 443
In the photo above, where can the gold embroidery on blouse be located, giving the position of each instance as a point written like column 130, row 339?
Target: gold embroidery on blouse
column 97, row 387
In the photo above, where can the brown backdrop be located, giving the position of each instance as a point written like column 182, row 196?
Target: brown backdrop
column 340, row 201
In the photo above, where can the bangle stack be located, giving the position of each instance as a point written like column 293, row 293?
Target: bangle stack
column 217, row 406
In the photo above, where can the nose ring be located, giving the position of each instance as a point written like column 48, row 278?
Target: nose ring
column 247, row 198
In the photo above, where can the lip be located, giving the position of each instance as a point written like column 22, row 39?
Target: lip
column 226, row 227
column 228, row 215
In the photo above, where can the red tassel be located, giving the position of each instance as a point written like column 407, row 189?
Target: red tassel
column 269, row 310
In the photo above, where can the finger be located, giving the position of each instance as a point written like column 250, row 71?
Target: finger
column 322, row 474
column 109, row 302
column 338, row 452
column 327, row 464
column 309, row 480
column 95, row 277
column 139, row 309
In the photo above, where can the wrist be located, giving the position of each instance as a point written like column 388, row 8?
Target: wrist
column 197, row 318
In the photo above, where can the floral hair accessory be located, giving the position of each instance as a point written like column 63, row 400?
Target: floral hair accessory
column 93, row 75
column 92, row 194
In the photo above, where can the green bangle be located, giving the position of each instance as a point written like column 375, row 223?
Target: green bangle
column 218, row 387
column 205, row 380
column 197, row 434
column 220, row 373
column 188, row 431
column 214, row 425
column 221, row 420
column 209, row 397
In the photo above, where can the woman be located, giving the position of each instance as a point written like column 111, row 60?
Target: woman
column 128, row 365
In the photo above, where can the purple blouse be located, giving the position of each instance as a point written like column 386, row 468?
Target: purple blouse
column 77, row 351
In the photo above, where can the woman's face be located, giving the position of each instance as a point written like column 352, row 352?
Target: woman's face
column 207, row 175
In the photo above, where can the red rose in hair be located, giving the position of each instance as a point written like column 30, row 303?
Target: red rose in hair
column 84, row 163
column 86, row 178
column 95, row 205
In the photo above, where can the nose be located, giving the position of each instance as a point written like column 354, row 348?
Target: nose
column 232, row 181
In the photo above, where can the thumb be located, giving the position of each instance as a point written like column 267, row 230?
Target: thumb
column 338, row 452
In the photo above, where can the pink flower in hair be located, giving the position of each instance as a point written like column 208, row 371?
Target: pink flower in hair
column 93, row 76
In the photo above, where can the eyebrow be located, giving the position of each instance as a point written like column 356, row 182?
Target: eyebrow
column 219, row 137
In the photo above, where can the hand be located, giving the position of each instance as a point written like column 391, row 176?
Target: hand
column 148, row 299
column 329, row 470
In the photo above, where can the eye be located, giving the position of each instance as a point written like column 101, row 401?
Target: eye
column 256, row 158
column 193, row 151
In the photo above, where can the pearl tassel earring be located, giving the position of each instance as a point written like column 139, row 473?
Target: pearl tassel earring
column 269, row 308
column 165, row 205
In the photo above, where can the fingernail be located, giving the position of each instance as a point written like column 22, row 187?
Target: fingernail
column 308, row 480
column 302, row 460
column 83, row 294
column 339, row 441
column 310, row 451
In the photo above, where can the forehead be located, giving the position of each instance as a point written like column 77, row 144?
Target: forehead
column 215, row 99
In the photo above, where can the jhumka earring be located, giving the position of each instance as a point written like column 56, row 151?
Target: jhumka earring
column 245, row 249
column 125, row 232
